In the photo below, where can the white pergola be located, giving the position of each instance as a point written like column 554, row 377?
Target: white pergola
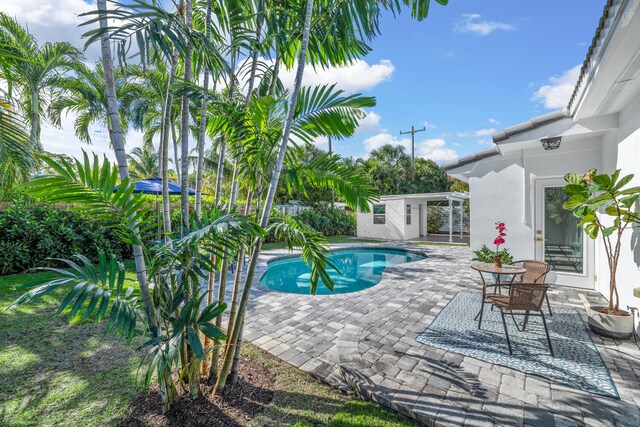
column 451, row 198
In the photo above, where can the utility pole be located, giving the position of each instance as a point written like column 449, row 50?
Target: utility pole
column 413, row 132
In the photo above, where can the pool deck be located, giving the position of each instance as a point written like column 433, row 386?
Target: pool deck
column 365, row 342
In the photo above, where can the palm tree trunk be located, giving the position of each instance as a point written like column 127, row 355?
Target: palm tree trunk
column 251, row 269
column 276, row 71
column 203, row 121
column 175, row 139
column 254, row 67
column 118, row 147
column 184, row 179
column 164, row 143
column 34, row 134
column 223, row 139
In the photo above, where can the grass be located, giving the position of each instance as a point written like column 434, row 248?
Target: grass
column 330, row 239
column 56, row 373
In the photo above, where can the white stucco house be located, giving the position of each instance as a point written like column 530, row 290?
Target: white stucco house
column 519, row 179
column 404, row 216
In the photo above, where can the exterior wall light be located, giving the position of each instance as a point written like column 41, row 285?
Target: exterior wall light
column 551, row 143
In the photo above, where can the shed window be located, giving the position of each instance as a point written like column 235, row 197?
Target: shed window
column 408, row 214
column 379, row 214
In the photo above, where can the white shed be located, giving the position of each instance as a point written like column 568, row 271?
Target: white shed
column 404, row 216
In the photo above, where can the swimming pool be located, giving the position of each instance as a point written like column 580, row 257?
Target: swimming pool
column 361, row 269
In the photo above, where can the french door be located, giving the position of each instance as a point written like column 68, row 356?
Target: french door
column 558, row 239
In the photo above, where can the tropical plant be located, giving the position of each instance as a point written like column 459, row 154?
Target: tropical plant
column 85, row 95
column 16, row 159
column 604, row 204
column 32, row 71
column 143, row 162
column 176, row 271
column 484, row 254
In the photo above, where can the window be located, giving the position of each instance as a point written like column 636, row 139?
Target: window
column 379, row 214
column 408, row 214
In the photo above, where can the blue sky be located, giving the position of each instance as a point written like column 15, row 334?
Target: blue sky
column 471, row 67
column 473, row 64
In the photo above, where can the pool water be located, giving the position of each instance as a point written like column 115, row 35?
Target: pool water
column 360, row 268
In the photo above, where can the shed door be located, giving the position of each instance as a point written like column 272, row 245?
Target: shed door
column 558, row 239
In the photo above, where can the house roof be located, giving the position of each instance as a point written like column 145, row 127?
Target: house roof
column 533, row 123
column 493, row 151
column 595, row 48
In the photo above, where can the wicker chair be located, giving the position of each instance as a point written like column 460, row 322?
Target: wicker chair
column 523, row 299
column 536, row 273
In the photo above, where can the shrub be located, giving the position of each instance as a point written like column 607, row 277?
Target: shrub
column 330, row 222
column 29, row 236
column 435, row 219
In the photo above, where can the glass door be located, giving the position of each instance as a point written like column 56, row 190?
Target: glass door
column 558, row 239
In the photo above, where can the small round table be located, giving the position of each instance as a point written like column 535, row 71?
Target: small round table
column 487, row 267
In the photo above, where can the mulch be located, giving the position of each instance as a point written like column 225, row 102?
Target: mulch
column 237, row 405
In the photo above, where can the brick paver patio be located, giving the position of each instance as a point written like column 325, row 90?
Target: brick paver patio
column 366, row 341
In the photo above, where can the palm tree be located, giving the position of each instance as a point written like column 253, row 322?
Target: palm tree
column 143, row 162
column 184, row 127
column 32, row 72
column 117, row 140
column 16, row 160
column 85, row 95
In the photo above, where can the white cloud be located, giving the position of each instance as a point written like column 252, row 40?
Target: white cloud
column 434, row 149
column 470, row 23
column 370, row 124
column 53, row 20
column 479, row 132
column 557, row 92
column 63, row 140
column 356, row 77
column 429, row 125
column 494, row 121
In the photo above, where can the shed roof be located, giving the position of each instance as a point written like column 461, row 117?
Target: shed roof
column 434, row 197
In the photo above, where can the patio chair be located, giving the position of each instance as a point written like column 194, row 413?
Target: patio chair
column 536, row 273
column 523, row 299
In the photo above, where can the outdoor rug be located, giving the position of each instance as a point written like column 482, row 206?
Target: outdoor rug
column 577, row 363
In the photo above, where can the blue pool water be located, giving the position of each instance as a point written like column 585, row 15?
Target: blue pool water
column 360, row 268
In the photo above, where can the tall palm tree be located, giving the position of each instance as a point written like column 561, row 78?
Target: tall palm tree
column 143, row 162
column 16, row 160
column 85, row 95
column 184, row 128
column 33, row 72
column 117, row 140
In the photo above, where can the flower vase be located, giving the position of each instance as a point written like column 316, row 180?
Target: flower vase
column 497, row 261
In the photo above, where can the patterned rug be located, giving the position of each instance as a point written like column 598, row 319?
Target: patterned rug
column 577, row 363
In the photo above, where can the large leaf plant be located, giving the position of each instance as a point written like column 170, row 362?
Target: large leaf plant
column 605, row 206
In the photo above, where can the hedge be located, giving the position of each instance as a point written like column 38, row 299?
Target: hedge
column 29, row 236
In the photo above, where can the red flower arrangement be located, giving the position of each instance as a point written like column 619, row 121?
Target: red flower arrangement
column 501, row 235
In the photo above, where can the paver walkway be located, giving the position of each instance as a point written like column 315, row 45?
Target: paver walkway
column 366, row 340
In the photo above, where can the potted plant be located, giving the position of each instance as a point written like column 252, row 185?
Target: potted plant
column 502, row 233
column 595, row 197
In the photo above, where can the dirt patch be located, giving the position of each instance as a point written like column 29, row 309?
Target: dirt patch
column 237, row 405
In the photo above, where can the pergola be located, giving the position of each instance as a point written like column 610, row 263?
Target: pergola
column 450, row 198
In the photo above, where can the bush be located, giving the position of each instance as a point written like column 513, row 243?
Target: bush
column 28, row 236
column 330, row 222
column 435, row 219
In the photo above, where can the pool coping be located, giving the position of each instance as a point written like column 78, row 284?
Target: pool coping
column 264, row 264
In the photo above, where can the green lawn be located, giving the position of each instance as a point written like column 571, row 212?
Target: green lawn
column 56, row 373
